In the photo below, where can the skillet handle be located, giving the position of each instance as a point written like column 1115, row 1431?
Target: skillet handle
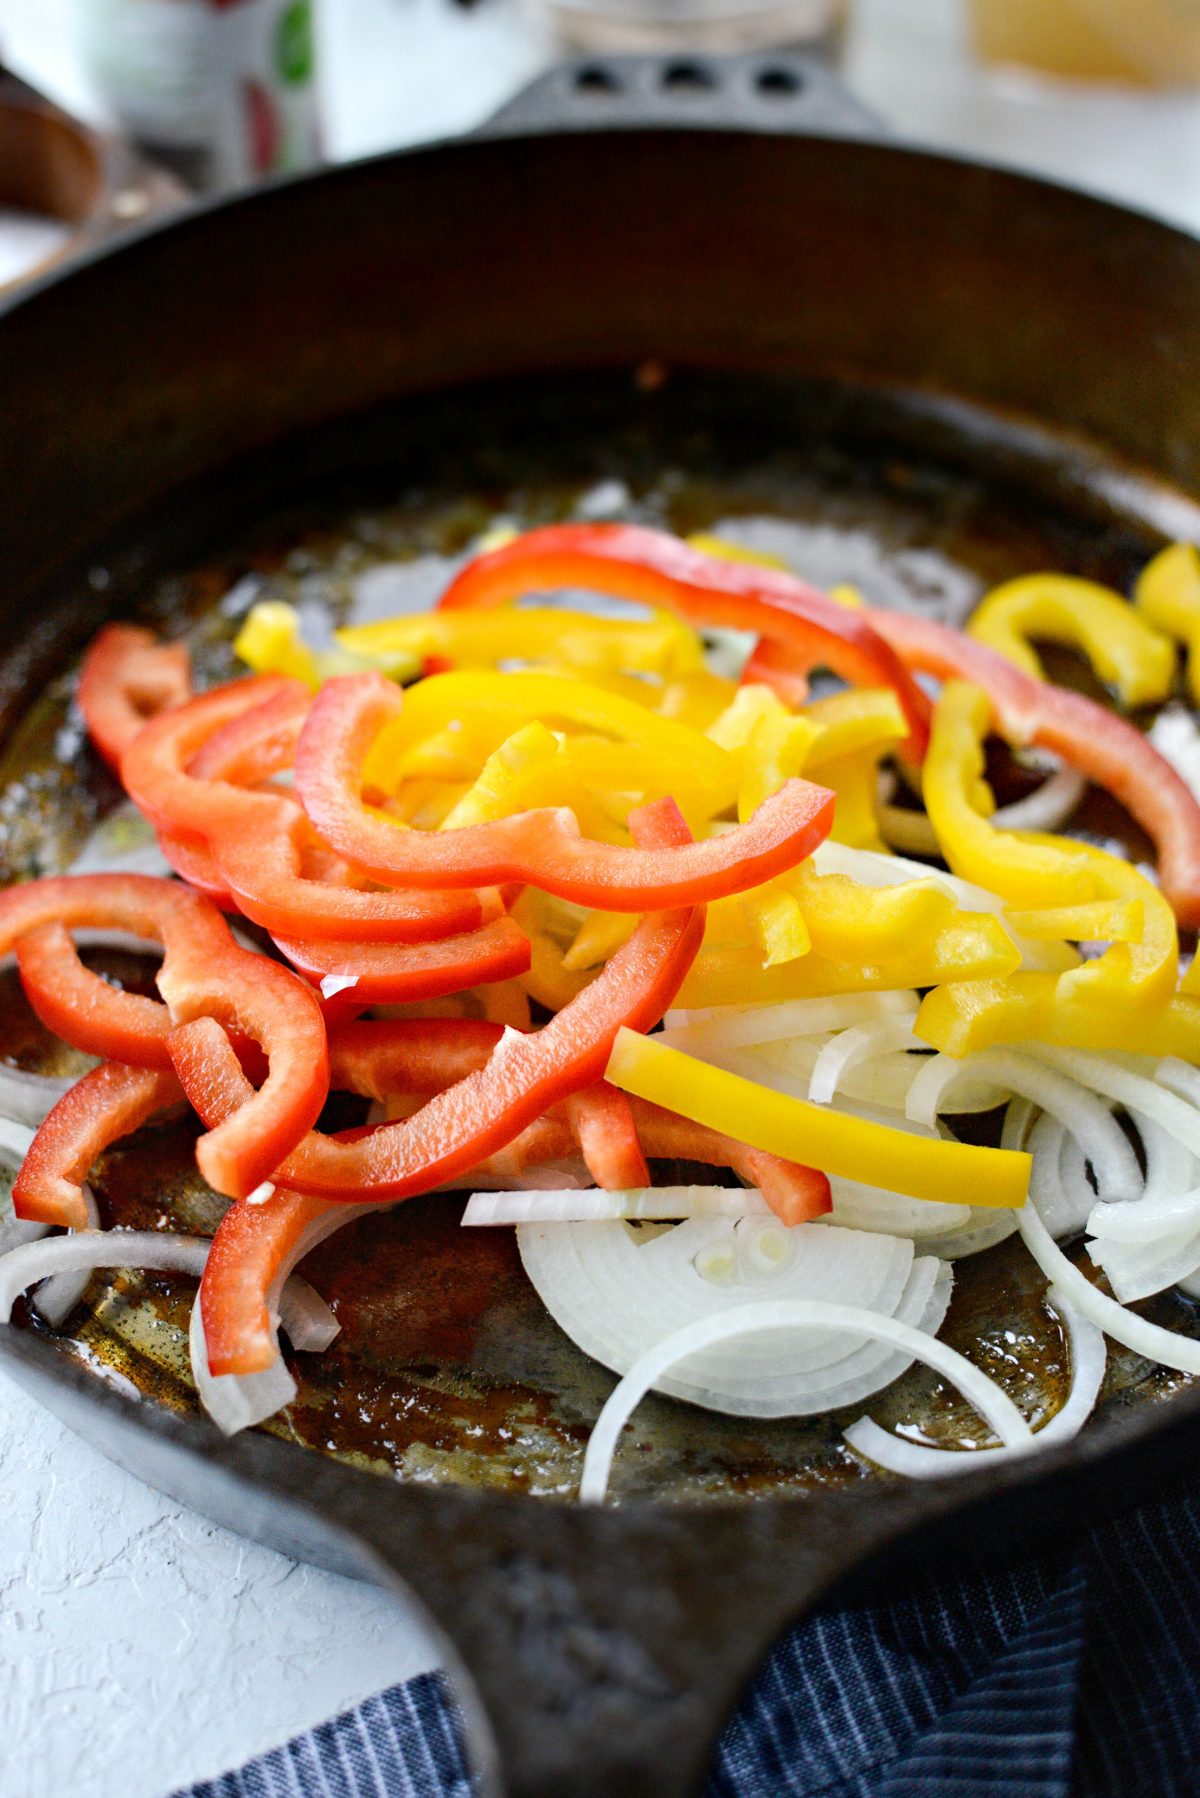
column 768, row 91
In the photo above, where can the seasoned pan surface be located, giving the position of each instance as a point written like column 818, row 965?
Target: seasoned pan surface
column 448, row 1368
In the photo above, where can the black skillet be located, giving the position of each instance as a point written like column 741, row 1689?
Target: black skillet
column 724, row 219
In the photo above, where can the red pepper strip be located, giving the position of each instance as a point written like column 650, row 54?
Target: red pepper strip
column 257, row 743
column 204, row 972
column 1100, row 744
column 74, row 1003
column 601, row 1120
column 128, row 676
column 796, row 1194
column 524, row 1075
column 631, row 562
column 391, row 973
column 105, row 1105
column 193, row 863
column 769, row 665
column 539, row 848
column 257, row 839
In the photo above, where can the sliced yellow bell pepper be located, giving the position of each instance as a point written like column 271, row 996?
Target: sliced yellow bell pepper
column 724, row 551
column 778, row 748
column 816, row 1135
column 1104, row 921
column 696, row 699
column 271, row 642
column 547, row 981
column 497, row 790
column 585, row 643
column 600, row 935
column 978, row 1014
column 488, row 707
column 1123, row 648
column 1167, row 592
column 848, row 921
column 861, row 718
column 972, row 946
column 855, row 780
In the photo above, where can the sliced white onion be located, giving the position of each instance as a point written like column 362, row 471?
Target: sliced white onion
column 646, row 1203
column 986, row 1228
column 914, row 1460
column 1170, row 1203
column 56, row 1298
column 859, row 1207
column 615, row 1294
column 15, row 1140
column 1063, row 1199
column 1137, row 1270
column 89, row 1249
column 727, row 651
column 1123, row 1325
column 27, row 1098
column 850, row 1048
column 738, row 1026
column 309, row 1322
column 653, row 1368
column 1107, row 1075
column 1048, row 807
column 1107, row 1147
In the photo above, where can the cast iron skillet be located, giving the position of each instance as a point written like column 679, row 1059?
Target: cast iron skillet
column 739, row 217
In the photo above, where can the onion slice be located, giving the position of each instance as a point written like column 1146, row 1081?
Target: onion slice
column 638, row 1204
column 802, row 1316
column 741, row 1026
column 914, row 1460
column 850, row 1048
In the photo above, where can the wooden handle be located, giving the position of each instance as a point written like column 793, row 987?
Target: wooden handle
column 53, row 165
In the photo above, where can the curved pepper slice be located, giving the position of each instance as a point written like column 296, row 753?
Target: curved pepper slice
column 1167, row 592
column 979, row 1014
column 204, row 973
column 542, row 849
column 127, row 677
column 1124, row 650
column 106, row 1104
column 1106, row 748
column 582, row 641
column 631, row 562
column 525, row 1074
column 258, row 839
column 394, row 973
column 795, row 1128
column 271, row 641
column 1031, row 869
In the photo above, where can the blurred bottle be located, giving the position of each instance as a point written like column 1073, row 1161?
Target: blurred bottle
column 1152, row 43
column 666, row 25
column 221, row 91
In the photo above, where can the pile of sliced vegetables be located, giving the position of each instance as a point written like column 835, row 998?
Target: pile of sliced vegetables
column 483, row 892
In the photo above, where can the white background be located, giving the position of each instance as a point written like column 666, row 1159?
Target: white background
column 140, row 1648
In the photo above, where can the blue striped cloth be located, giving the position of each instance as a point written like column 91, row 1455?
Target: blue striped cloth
column 1070, row 1674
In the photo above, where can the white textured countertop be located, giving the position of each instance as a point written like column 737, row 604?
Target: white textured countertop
column 141, row 1648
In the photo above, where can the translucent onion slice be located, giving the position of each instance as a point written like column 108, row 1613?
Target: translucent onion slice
column 986, row 1229
column 616, row 1292
column 639, row 1204
column 1170, row 1203
column 1109, row 1076
column 26, row 1098
column 56, row 1298
column 851, row 1048
column 739, row 1026
column 15, row 1140
column 781, row 1318
column 1064, row 1199
column 858, row 1207
column 1123, row 1325
column 1048, row 807
column 914, row 1460
column 1077, row 1109
column 1137, row 1270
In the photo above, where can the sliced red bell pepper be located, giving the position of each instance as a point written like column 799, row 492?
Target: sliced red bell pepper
column 601, row 1120
column 84, row 1010
column 796, row 1194
column 106, row 1104
column 539, row 848
column 257, row 839
column 204, row 973
column 524, row 1075
column 393, row 973
column 127, row 677
column 193, row 863
column 631, row 562
column 1105, row 747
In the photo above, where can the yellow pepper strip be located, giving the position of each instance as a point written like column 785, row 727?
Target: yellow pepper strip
column 600, row 935
column 978, row 1014
column 547, row 981
column 816, row 1135
column 422, row 804
column 586, row 643
column 1104, row 921
column 955, row 791
column 476, row 701
column 850, row 922
column 750, row 706
column 778, row 748
column 1124, row 649
column 779, row 924
column 1167, row 592
column 696, row 699
column 270, row 641
column 725, row 551
column 1138, row 970
column 855, row 780
column 972, row 946
column 862, row 718
column 496, row 792
column 1191, row 980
